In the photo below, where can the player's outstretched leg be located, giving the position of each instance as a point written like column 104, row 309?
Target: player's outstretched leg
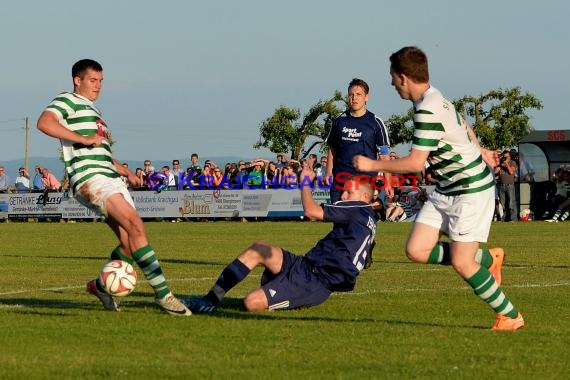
column 146, row 259
column 486, row 288
column 232, row 274
column 200, row 305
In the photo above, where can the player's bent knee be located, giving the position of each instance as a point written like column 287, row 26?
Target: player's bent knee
column 416, row 256
column 255, row 301
column 463, row 267
column 261, row 248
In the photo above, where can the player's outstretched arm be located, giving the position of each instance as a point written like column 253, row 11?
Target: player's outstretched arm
column 126, row 172
column 312, row 210
column 327, row 179
column 49, row 124
column 412, row 163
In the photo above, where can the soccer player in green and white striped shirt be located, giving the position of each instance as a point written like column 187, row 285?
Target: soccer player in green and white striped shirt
column 95, row 179
column 462, row 204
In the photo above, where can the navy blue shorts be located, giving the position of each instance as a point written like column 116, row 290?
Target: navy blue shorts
column 295, row 286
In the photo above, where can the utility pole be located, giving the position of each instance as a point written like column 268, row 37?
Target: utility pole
column 27, row 129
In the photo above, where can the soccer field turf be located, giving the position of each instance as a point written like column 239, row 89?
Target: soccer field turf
column 403, row 320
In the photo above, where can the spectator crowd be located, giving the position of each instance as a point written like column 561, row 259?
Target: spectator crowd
column 283, row 172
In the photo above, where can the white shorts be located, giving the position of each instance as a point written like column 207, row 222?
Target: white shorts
column 465, row 218
column 94, row 193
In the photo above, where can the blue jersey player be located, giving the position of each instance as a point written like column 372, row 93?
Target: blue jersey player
column 292, row 281
column 356, row 131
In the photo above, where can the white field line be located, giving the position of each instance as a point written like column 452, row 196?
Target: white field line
column 354, row 293
column 432, row 289
column 195, row 279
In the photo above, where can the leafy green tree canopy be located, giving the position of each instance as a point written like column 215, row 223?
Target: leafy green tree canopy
column 285, row 131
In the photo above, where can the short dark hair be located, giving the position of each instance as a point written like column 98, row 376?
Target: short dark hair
column 80, row 67
column 412, row 62
column 360, row 83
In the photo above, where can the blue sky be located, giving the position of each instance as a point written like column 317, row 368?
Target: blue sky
column 184, row 76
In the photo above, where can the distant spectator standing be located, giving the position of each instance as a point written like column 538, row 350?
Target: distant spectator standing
column 194, row 165
column 176, row 172
column 140, row 175
column 38, row 184
column 506, row 171
column 241, row 177
column 288, row 177
column 313, row 161
column 256, row 175
column 232, row 174
column 22, row 183
column 272, row 175
column 50, row 182
column 148, row 168
column 206, row 178
column 526, row 170
column 171, row 185
column 280, row 161
column 4, row 180
column 218, row 179
column 321, row 168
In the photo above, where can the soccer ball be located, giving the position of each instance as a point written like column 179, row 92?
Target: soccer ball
column 118, row 278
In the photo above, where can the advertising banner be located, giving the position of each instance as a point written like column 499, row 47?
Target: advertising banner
column 167, row 204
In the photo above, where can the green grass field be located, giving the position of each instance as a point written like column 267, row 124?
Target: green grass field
column 403, row 320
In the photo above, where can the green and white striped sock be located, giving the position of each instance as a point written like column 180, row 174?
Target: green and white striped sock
column 117, row 254
column 146, row 259
column 441, row 254
column 486, row 288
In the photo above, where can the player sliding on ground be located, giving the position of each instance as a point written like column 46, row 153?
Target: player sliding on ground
column 291, row 281
column 462, row 204
column 95, row 179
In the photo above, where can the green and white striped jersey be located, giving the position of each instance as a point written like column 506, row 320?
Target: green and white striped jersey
column 456, row 161
column 80, row 115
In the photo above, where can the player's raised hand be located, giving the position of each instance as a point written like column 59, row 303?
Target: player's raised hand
column 363, row 164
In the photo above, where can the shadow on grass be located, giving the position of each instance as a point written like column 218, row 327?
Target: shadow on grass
column 377, row 263
column 230, row 308
column 34, row 306
column 102, row 259
column 233, row 308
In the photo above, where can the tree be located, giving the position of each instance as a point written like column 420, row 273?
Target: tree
column 500, row 119
column 401, row 128
column 283, row 132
